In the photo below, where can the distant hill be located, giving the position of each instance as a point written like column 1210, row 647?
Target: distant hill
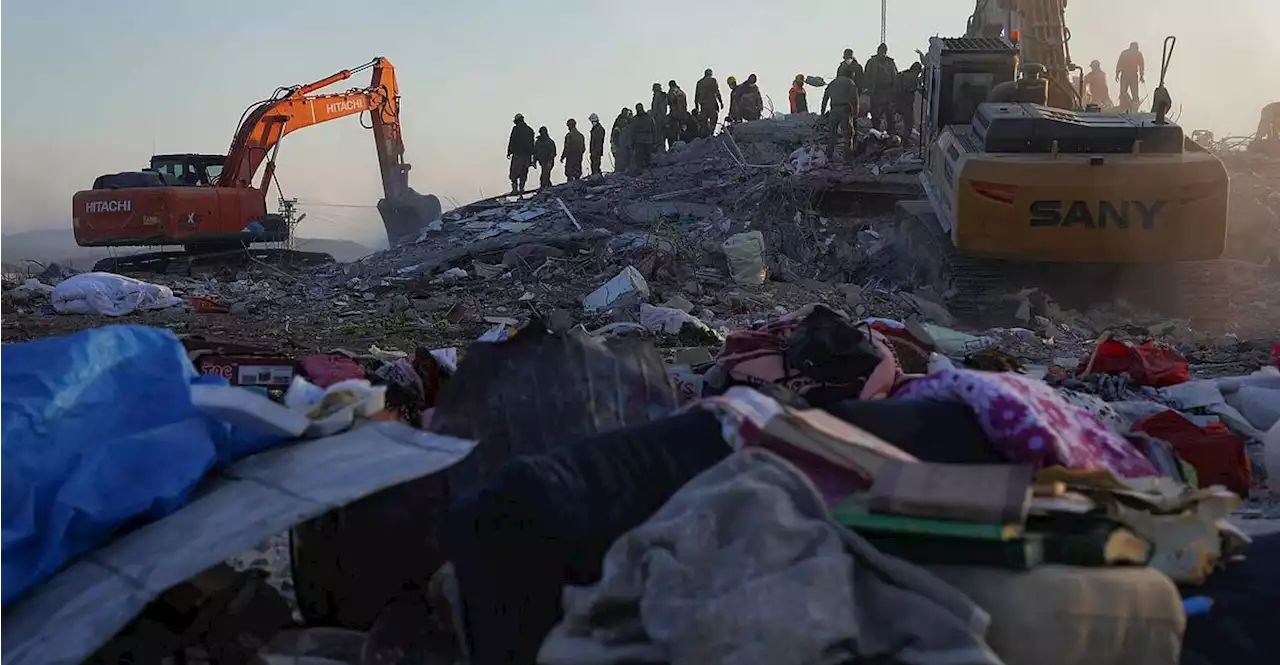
column 58, row 245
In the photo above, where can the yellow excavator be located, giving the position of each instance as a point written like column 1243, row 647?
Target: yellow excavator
column 1085, row 206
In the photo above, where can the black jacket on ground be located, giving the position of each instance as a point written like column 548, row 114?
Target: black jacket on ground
column 521, row 141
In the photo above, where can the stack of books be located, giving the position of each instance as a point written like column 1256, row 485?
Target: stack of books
column 988, row 515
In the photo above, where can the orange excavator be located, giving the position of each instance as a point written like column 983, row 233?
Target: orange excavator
column 210, row 205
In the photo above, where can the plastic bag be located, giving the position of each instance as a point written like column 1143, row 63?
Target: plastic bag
column 745, row 253
column 97, row 429
column 109, row 294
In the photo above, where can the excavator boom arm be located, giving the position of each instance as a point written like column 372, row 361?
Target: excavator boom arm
column 259, row 135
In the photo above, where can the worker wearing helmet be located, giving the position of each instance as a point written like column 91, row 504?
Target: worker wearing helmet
column 520, row 152
column 1095, row 86
column 1131, row 69
column 798, row 98
column 597, row 143
column 575, row 144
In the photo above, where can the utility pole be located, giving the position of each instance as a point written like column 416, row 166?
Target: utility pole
column 884, row 13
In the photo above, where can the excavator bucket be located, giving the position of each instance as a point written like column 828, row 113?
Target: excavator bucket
column 405, row 218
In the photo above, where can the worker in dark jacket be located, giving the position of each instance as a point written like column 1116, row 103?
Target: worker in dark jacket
column 797, row 97
column 544, row 151
column 677, row 112
column 905, row 98
column 882, row 80
column 658, row 112
column 849, row 66
column 735, row 101
column 620, row 141
column 575, row 145
column 520, row 152
column 842, row 93
column 750, row 101
column 597, row 143
column 1131, row 69
column 644, row 139
column 707, row 103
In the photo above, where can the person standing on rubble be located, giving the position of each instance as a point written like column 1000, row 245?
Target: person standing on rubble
column 658, row 113
column 904, row 103
column 797, row 96
column 751, row 103
column 644, row 138
column 735, row 101
column 620, row 140
column 842, row 93
column 544, row 151
column 597, row 143
column 677, row 111
column 707, row 103
column 575, row 144
column 1095, row 86
column 882, row 79
column 520, row 152
column 850, row 67
column 1131, row 69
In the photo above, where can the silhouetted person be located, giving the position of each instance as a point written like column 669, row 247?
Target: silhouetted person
column 707, row 103
column 597, row 143
column 544, row 151
column 658, row 112
column 750, row 100
column 1095, row 86
column 882, row 79
column 842, row 93
column 620, row 140
column 520, row 152
column 575, row 145
column 644, row 139
column 1131, row 69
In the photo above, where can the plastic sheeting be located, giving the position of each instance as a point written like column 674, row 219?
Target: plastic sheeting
column 97, row 429
column 62, row 621
column 109, row 294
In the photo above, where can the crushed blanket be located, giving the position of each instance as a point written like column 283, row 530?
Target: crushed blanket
column 1030, row 422
column 743, row 566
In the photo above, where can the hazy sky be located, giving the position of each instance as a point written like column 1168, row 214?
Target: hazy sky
column 93, row 87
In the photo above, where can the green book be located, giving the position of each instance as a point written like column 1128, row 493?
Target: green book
column 854, row 514
column 1019, row 554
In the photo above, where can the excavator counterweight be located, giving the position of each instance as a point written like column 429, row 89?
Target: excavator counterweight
column 210, row 204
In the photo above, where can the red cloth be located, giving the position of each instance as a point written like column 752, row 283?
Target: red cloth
column 1149, row 364
column 326, row 369
column 1217, row 454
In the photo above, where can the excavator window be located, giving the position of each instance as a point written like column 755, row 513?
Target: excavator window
column 968, row 90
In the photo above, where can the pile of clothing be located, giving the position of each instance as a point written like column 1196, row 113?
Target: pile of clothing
column 959, row 515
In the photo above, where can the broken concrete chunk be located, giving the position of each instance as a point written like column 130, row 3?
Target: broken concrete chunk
column 679, row 302
column 530, row 254
column 852, row 294
column 627, row 289
column 514, row 227
column 525, row 215
column 929, row 310
column 487, row 270
column 453, row 274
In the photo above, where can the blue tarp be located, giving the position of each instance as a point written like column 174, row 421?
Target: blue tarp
column 97, row 429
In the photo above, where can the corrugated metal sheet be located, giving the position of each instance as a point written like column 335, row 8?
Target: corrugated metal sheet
column 74, row 613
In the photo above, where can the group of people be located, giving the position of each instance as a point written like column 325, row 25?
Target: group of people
column 1131, row 69
column 525, row 151
column 890, row 93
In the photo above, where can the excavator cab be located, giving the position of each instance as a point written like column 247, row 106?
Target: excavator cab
column 189, row 169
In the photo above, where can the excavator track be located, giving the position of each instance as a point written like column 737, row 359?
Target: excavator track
column 979, row 290
column 186, row 263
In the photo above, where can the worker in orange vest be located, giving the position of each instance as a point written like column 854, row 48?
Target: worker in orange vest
column 799, row 101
